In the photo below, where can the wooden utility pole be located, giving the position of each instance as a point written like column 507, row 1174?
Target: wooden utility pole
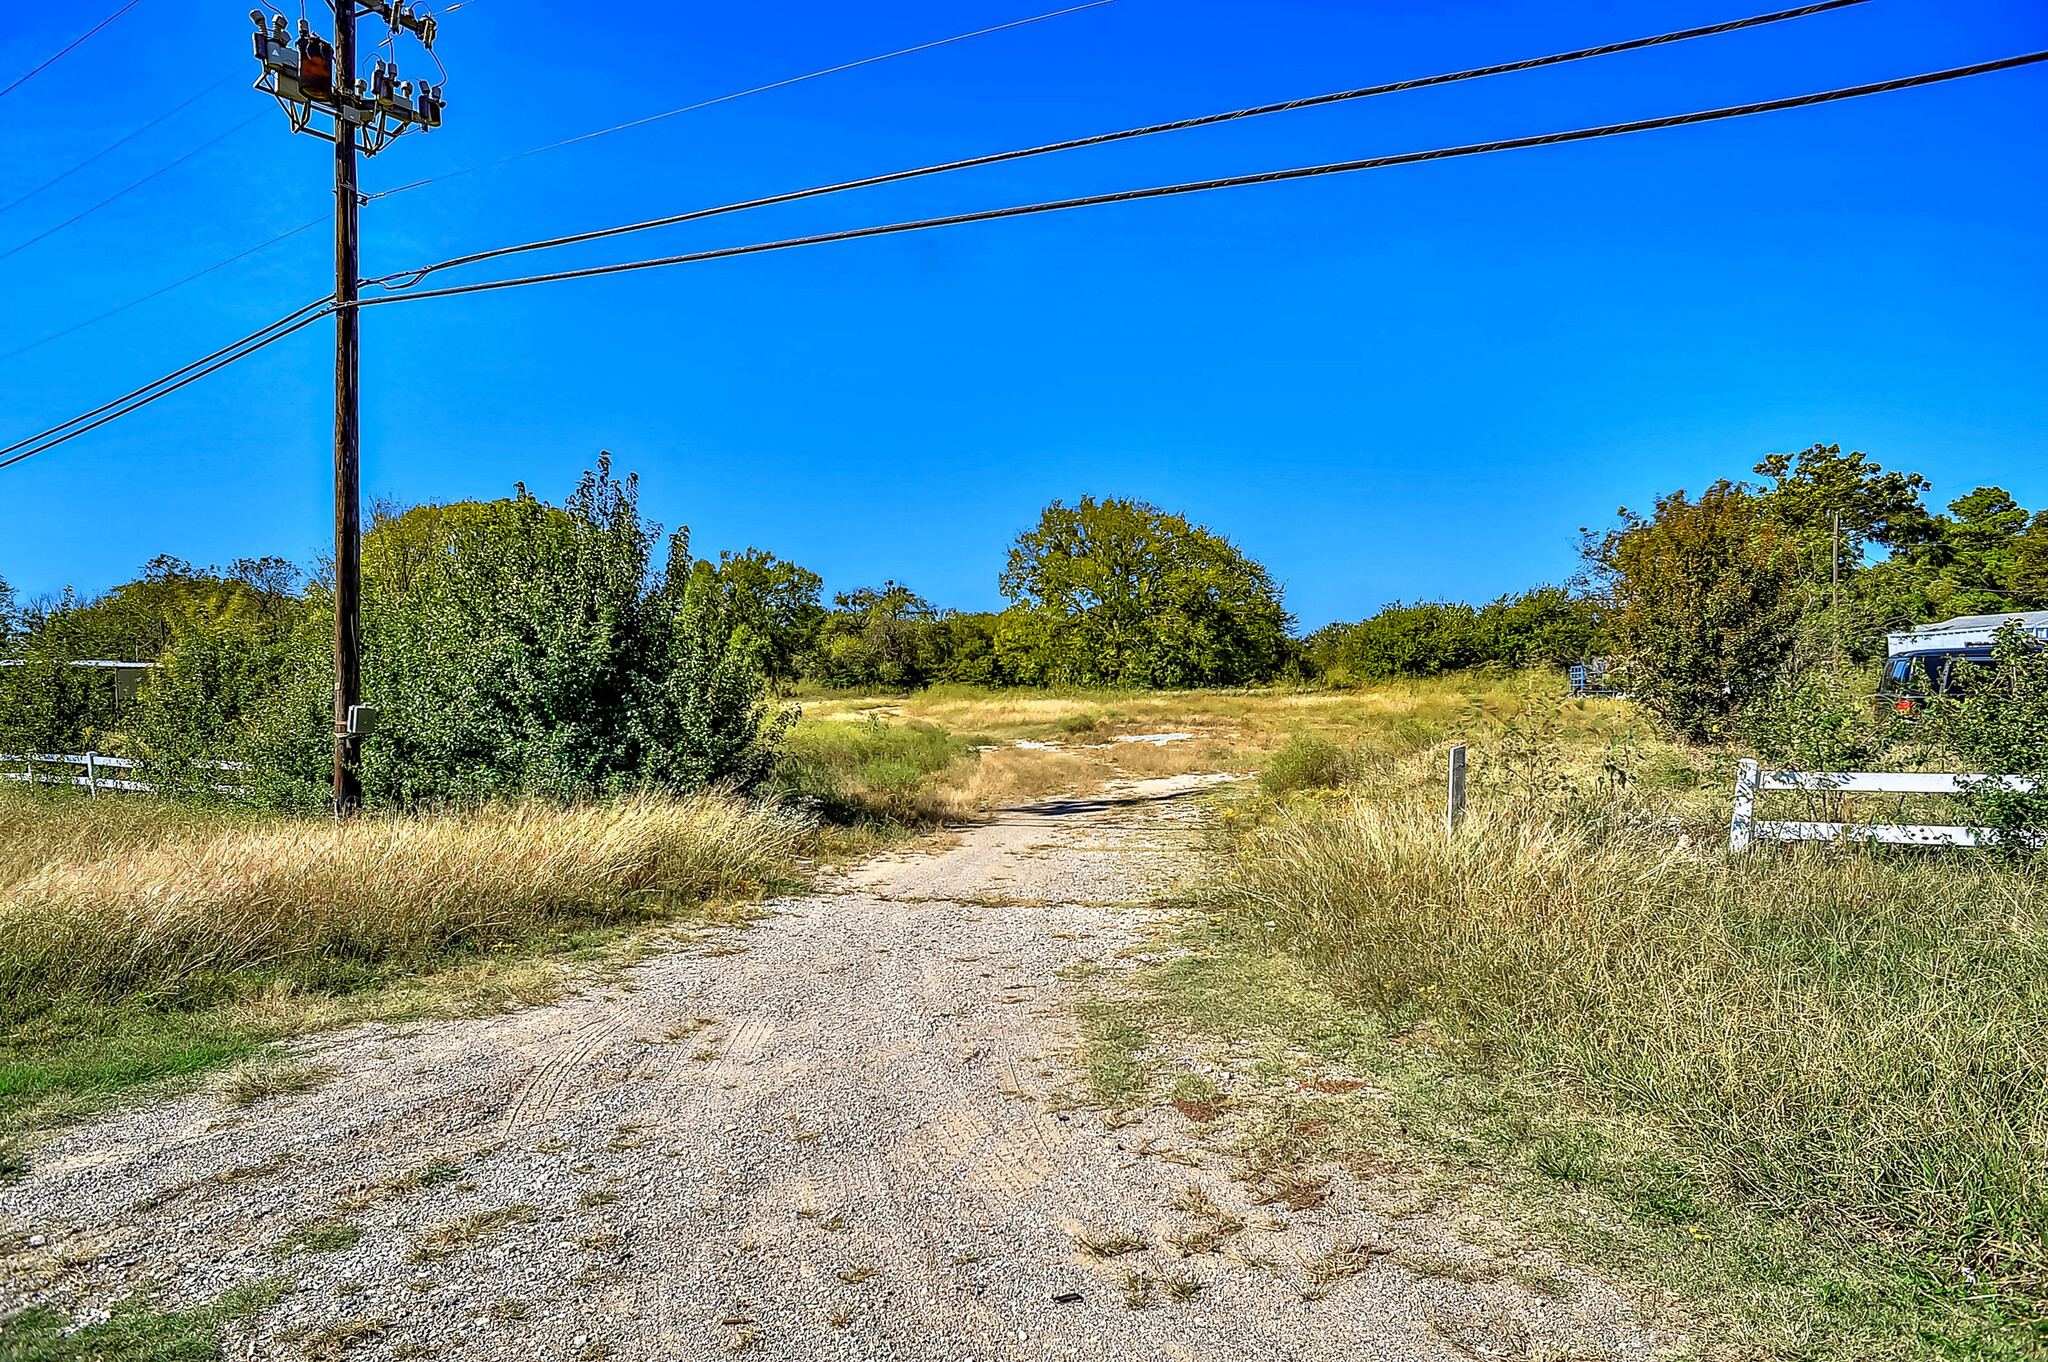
column 348, row 558
column 310, row 79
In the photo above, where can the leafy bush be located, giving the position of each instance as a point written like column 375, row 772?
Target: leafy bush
column 1703, row 605
column 1308, row 761
column 1998, row 726
column 513, row 648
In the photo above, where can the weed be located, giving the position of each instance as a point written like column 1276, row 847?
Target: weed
column 597, row 1198
column 856, row 1274
column 451, row 1236
column 1137, row 1289
column 840, row 1317
column 1183, row 1288
column 272, row 1074
column 1343, row 1260
column 318, row 1236
column 1108, row 1243
column 505, row 1311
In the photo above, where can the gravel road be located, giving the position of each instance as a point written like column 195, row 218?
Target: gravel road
column 824, row 1136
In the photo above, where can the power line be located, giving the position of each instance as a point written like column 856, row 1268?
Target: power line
column 1237, row 181
column 52, row 61
column 166, row 385
column 312, row 312
column 8, row 208
column 412, row 277
column 758, row 89
column 75, row 217
column 158, row 293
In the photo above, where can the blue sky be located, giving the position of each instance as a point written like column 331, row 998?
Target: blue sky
column 1408, row 383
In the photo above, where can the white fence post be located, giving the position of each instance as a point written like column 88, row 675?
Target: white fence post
column 1741, row 827
column 1455, row 804
column 92, row 774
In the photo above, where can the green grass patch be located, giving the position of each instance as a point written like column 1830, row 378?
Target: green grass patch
column 318, row 1236
column 138, row 1331
column 1117, row 1072
column 872, row 768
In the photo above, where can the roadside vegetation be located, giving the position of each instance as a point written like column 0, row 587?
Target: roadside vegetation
column 145, row 940
column 1804, row 1090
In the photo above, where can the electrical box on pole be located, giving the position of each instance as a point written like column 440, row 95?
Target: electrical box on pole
column 315, row 82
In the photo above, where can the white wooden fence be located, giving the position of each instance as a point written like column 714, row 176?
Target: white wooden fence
column 94, row 763
column 1751, row 780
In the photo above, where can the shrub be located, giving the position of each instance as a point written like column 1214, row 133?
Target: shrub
column 1704, row 605
column 1308, row 761
column 1998, row 726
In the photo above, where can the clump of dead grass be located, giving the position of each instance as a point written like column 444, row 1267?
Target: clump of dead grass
column 291, row 899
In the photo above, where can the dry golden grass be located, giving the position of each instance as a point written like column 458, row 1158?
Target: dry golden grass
column 292, row 899
column 1854, row 1038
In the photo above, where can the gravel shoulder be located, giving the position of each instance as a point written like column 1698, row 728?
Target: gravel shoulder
column 836, row 1134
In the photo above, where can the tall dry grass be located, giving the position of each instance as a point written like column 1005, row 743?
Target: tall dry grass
column 1859, row 1038
column 179, row 915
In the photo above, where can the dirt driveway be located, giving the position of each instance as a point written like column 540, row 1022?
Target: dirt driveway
column 832, row 1135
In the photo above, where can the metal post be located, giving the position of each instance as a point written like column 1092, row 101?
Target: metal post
column 1455, row 808
column 92, row 774
column 348, row 584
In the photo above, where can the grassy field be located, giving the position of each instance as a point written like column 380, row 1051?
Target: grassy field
column 1804, row 1090
column 143, row 941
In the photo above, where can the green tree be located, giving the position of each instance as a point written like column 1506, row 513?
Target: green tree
column 1810, row 488
column 778, row 602
column 7, row 615
column 1973, row 561
column 1703, row 604
column 2027, row 581
column 1120, row 593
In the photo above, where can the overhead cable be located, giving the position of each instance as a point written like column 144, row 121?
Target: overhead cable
column 75, row 217
column 1237, row 181
column 758, row 89
column 158, row 293
column 52, row 61
column 312, row 312
column 408, row 278
column 166, row 385
column 9, row 207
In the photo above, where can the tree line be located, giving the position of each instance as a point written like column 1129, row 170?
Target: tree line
column 518, row 646
column 514, row 646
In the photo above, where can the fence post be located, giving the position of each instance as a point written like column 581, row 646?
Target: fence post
column 1455, row 805
column 1741, row 824
column 92, row 774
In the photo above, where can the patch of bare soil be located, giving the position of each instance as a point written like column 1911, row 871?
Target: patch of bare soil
column 840, row 1133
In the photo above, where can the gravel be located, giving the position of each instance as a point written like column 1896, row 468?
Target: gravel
column 833, row 1135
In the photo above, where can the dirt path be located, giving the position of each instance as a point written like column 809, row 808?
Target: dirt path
column 823, row 1137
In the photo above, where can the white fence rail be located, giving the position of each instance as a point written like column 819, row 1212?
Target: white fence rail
column 94, row 763
column 1751, row 780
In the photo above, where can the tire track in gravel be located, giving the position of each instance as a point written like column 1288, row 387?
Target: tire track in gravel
column 865, row 1167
